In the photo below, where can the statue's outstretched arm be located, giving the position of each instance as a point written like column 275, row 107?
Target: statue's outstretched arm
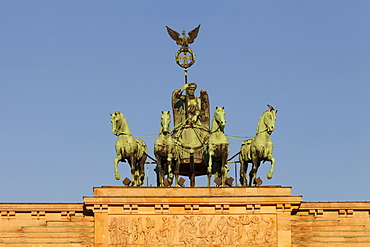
column 183, row 88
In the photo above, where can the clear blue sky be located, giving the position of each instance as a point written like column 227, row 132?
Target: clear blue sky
column 66, row 65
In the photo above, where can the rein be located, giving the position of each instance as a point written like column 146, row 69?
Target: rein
column 268, row 132
column 120, row 134
column 218, row 128
column 180, row 124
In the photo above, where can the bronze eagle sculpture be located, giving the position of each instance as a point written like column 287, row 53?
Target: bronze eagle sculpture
column 183, row 41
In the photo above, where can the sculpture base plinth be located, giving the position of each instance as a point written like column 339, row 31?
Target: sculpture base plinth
column 237, row 216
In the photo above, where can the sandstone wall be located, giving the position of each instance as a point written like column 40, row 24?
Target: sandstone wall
column 240, row 216
column 45, row 224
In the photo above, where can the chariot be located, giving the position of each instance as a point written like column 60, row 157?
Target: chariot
column 191, row 132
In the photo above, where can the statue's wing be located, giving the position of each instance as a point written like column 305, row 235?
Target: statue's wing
column 193, row 34
column 178, row 109
column 173, row 34
column 205, row 116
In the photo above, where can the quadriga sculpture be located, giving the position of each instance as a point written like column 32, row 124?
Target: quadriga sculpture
column 218, row 148
column 164, row 150
column 128, row 148
column 258, row 149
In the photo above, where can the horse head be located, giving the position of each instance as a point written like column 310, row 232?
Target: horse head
column 219, row 117
column 116, row 121
column 267, row 121
column 165, row 122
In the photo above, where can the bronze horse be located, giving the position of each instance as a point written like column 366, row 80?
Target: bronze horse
column 258, row 149
column 128, row 148
column 218, row 148
column 164, row 150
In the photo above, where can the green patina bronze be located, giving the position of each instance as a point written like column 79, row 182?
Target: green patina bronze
column 259, row 149
column 192, row 148
column 184, row 57
column 191, row 120
column 218, row 148
column 128, row 148
column 165, row 151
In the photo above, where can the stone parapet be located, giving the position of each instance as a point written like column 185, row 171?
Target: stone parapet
column 331, row 224
column 198, row 216
column 265, row 216
column 45, row 224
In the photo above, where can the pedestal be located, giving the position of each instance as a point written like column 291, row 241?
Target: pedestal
column 240, row 216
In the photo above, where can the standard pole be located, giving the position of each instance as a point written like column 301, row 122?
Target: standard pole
column 186, row 75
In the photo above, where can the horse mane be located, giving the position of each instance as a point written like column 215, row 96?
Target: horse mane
column 259, row 122
column 121, row 115
column 261, row 117
column 124, row 124
column 215, row 126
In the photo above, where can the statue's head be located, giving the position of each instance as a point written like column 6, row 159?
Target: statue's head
column 192, row 85
column 191, row 88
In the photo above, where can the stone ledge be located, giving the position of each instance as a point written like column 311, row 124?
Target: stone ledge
column 119, row 191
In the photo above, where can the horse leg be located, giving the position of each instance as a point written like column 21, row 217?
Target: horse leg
column 133, row 169
column 177, row 172
column 253, row 172
column 224, row 174
column 116, row 160
column 142, row 170
column 137, row 177
column 243, row 172
column 160, row 172
column 211, row 154
column 209, row 176
column 209, row 169
column 224, row 168
column 272, row 166
column 169, row 164
column 252, row 175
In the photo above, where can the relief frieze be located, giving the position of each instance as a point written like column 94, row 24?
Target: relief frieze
column 189, row 230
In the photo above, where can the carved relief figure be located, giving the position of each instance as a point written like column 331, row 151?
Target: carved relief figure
column 137, row 235
column 192, row 230
column 203, row 229
column 150, row 224
column 188, row 230
column 114, row 231
column 124, row 230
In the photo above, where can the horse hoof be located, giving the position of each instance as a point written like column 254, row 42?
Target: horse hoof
column 269, row 176
column 118, row 177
